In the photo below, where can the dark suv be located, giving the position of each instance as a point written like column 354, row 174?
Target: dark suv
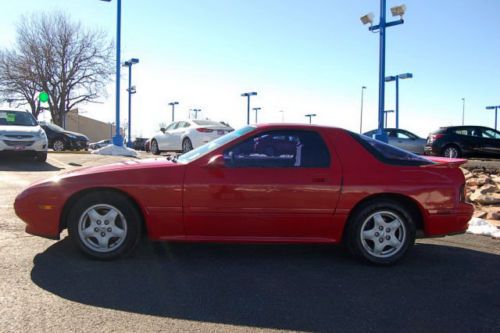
column 458, row 141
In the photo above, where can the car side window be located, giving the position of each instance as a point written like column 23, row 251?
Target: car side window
column 491, row 134
column 403, row 135
column 279, row 149
column 171, row 126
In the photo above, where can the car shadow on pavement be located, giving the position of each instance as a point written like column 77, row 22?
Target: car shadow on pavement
column 23, row 164
column 307, row 287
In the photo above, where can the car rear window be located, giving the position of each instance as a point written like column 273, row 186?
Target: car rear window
column 389, row 154
column 206, row 122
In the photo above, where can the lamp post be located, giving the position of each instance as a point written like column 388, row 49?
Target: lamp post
column 131, row 90
column 385, row 116
column 381, row 27
column 361, row 116
column 463, row 111
column 310, row 117
column 195, row 113
column 256, row 111
column 396, row 78
column 248, row 95
column 118, row 138
column 173, row 104
column 494, row 107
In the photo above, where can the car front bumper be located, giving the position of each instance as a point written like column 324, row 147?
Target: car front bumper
column 35, row 144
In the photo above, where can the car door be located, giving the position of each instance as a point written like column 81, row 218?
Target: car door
column 490, row 141
column 254, row 196
column 176, row 135
column 164, row 140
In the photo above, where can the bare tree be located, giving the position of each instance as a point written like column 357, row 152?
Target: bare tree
column 54, row 54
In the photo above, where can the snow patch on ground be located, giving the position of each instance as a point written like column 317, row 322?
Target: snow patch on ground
column 115, row 151
column 479, row 226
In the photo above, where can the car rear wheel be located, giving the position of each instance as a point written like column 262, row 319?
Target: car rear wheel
column 104, row 225
column 381, row 232
column 451, row 151
column 58, row 145
column 187, row 145
column 154, row 148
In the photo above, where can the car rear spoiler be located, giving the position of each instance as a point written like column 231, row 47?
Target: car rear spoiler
column 445, row 161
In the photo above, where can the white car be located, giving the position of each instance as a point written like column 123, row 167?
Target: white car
column 185, row 135
column 100, row 144
column 20, row 134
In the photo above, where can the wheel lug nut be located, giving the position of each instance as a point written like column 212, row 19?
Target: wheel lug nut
column 388, row 230
column 381, row 240
column 109, row 229
column 388, row 237
column 96, row 229
column 106, row 222
column 377, row 234
column 380, row 228
column 99, row 222
column 103, row 234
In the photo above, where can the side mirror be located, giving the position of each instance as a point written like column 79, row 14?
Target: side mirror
column 163, row 129
column 216, row 162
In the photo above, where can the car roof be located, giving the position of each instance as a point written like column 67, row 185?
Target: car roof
column 296, row 126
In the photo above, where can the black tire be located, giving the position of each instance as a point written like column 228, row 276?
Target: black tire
column 452, row 151
column 58, row 145
column 155, row 150
column 365, row 216
column 41, row 157
column 127, row 221
column 187, row 145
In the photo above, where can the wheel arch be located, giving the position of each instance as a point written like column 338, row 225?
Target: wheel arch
column 73, row 199
column 409, row 203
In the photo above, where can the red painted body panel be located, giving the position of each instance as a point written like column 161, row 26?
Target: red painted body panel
column 194, row 202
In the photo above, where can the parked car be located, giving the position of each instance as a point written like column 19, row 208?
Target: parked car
column 20, row 134
column 99, row 144
column 185, row 135
column 60, row 139
column 458, row 141
column 403, row 139
column 337, row 186
column 138, row 143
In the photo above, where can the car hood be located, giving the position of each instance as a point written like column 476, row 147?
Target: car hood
column 119, row 167
column 19, row 129
column 78, row 135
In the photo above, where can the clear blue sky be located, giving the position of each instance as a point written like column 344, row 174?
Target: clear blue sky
column 300, row 56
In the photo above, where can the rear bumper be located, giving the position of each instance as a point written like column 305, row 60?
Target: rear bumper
column 448, row 223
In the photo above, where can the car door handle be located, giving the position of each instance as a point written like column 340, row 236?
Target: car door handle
column 320, row 179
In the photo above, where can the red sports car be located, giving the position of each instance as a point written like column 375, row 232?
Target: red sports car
column 336, row 186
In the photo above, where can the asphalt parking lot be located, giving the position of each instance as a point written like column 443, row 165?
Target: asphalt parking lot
column 445, row 284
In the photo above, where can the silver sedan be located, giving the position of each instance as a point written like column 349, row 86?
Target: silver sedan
column 403, row 139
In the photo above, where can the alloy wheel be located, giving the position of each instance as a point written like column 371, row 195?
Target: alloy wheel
column 58, row 145
column 383, row 234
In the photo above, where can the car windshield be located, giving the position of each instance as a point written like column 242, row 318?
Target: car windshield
column 17, row 118
column 213, row 145
column 54, row 127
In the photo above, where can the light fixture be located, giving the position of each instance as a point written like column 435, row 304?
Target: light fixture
column 367, row 19
column 398, row 10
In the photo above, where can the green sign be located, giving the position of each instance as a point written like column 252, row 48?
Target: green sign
column 11, row 117
column 43, row 97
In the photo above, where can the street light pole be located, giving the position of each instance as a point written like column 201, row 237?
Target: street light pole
column 381, row 27
column 118, row 139
column 495, row 107
column 385, row 116
column 256, row 111
column 310, row 117
column 131, row 90
column 196, row 112
column 361, row 116
column 248, row 95
column 396, row 79
column 173, row 104
column 463, row 111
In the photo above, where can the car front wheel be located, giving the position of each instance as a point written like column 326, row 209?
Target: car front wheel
column 381, row 232
column 154, row 148
column 104, row 225
column 58, row 145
